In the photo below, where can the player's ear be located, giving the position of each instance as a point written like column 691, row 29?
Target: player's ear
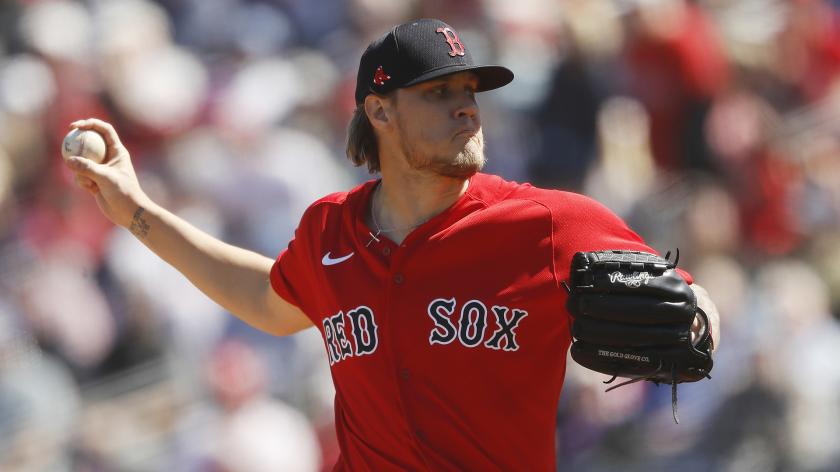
column 378, row 111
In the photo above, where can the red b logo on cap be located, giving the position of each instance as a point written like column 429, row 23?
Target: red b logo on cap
column 452, row 39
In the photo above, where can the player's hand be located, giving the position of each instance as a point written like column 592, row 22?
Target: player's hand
column 697, row 329
column 113, row 183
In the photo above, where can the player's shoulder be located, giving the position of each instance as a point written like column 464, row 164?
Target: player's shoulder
column 336, row 204
column 493, row 189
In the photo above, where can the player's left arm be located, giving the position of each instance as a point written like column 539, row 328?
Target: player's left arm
column 704, row 301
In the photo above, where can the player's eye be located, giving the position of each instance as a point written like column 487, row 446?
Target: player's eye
column 441, row 91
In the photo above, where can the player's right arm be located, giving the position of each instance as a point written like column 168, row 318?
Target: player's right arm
column 235, row 278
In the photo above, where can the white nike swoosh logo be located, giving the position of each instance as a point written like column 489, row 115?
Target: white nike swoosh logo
column 328, row 261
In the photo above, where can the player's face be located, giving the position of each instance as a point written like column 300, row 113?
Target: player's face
column 439, row 127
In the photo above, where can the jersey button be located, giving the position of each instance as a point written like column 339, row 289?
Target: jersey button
column 404, row 374
column 386, row 251
column 398, row 279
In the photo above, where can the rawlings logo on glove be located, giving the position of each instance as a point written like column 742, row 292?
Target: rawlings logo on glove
column 632, row 281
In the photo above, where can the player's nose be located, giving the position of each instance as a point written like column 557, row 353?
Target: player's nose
column 467, row 107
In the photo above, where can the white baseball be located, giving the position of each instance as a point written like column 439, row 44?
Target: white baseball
column 85, row 143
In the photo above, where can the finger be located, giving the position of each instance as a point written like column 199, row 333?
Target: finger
column 83, row 181
column 86, row 167
column 87, row 184
column 112, row 139
column 93, row 190
column 698, row 329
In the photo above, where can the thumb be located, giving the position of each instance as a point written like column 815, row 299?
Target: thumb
column 86, row 167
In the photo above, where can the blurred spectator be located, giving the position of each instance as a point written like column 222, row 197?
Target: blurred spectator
column 809, row 48
column 675, row 66
column 797, row 302
column 245, row 430
column 624, row 173
column 39, row 403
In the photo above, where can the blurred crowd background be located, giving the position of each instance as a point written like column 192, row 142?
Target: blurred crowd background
column 709, row 125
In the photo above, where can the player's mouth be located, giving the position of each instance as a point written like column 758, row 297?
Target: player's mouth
column 466, row 133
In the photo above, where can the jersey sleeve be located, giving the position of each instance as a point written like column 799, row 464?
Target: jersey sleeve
column 282, row 274
column 291, row 275
column 583, row 224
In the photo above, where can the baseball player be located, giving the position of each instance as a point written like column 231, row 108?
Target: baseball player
column 438, row 290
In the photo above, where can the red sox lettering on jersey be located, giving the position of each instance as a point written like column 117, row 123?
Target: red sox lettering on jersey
column 468, row 326
column 435, row 342
column 472, row 324
column 363, row 331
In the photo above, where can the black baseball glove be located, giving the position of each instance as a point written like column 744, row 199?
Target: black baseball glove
column 632, row 318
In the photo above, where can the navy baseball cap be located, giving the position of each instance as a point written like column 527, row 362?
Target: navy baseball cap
column 418, row 51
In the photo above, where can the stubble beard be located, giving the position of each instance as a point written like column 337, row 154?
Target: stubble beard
column 465, row 164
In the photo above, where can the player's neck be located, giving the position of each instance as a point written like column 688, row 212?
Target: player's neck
column 404, row 201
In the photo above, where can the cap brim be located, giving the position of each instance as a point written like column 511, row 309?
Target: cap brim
column 489, row 77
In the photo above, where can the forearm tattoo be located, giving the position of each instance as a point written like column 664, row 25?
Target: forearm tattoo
column 139, row 227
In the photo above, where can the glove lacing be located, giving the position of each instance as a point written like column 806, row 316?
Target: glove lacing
column 673, row 386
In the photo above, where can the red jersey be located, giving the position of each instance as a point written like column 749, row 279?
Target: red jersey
column 447, row 351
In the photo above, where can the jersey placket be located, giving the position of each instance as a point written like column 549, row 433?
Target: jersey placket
column 390, row 263
column 401, row 282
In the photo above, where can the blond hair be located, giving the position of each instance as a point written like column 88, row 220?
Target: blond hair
column 362, row 146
